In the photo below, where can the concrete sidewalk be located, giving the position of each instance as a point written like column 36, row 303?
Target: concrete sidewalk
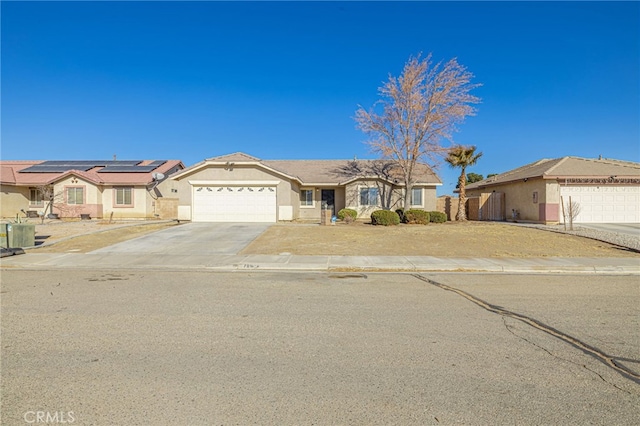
column 627, row 265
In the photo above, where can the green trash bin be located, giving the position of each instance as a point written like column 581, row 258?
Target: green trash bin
column 20, row 235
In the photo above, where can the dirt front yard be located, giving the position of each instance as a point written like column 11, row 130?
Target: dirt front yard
column 451, row 239
column 84, row 236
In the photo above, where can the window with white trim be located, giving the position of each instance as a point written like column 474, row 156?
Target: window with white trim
column 368, row 196
column 306, row 197
column 75, row 195
column 123, row 196
column 416, row 196
column 35, row 197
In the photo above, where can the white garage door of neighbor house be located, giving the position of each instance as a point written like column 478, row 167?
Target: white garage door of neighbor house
column 234, row 204
column 604, row 204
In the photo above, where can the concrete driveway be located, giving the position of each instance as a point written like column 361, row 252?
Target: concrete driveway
column 632, row 229
column 192, row 238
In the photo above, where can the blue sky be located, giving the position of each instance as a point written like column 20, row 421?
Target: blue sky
column 192, row 80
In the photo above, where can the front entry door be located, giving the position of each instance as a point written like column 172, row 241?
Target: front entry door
column 329, row 200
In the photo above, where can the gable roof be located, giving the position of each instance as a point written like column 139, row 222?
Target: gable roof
column 236, row 156
column 10, row 168
column 564, row 168
column 340, row 172
column 320, row 172
column 12, row 173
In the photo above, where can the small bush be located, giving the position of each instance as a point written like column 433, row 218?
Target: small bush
column 400, row 212
column 438, row 217
column 348, row 215
column 385, row 218
column 418, row 217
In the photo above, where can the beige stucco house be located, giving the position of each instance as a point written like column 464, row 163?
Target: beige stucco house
column 242, row 188
column 607, row 191
column 97, row 189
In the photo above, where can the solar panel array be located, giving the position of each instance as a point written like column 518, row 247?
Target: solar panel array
column 132, row 169
column 115, row 166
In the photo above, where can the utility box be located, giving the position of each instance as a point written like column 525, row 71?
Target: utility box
column 19, row 235
column 3, row 235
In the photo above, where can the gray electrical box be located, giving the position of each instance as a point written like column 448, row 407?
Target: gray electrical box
column 19, row 235
column 3, row 235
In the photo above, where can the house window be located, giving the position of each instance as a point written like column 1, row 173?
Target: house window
column 535, row 197
column 368, row 196
column 35, row 197
column 75, row 195
column 416, row 196
column 306, row 197
column 123, row 196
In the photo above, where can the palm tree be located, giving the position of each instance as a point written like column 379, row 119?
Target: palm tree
column 462, row 157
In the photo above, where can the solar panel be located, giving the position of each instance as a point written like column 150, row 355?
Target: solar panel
column 115, row 166
column 127, row 169
column 93, row 163
column 131, row 168
column 67, row 162
column 55, row 169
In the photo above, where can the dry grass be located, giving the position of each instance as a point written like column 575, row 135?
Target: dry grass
column 451, row 239
column 94, row 241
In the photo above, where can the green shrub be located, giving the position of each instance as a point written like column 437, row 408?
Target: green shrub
column 344, row 214
column 438, row 217
column 384, row 217
column 418, row 217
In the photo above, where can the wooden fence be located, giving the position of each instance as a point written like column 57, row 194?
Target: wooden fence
column 491, row 206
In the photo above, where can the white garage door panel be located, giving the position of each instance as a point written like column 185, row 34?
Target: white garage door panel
column 604, row 204
column 234, row 204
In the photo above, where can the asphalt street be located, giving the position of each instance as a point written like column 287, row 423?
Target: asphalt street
column 195, row 347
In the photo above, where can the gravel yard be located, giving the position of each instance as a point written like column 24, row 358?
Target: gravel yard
column 616, row 238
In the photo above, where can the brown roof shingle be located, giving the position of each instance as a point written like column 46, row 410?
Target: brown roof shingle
column 564, row 167
column 324, row 172
column 342, row 171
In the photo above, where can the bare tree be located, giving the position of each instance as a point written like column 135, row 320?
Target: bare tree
column 48, row 197
column 462, row 157
column 416, row 112
column 570, row 211
column 382, row 171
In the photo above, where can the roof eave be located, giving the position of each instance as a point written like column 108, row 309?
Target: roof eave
column 208, row 163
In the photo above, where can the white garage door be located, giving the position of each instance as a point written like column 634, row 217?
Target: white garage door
column 604, row 204
column 234, row 204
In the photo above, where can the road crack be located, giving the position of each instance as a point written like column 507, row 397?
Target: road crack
column 594, row 352
column 510, row 330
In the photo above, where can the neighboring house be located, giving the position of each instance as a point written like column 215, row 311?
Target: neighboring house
column 115, row 189
column 607, row 191
column 242, row 188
